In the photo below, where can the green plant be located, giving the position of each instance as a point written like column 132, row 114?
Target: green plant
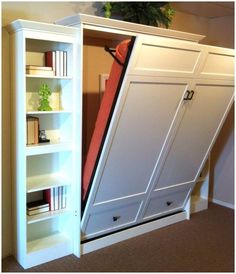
column 147, row 13
column 107, row 9
column 44, row 93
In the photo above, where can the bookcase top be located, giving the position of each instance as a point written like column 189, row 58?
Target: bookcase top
column 89, row 21
column 21, row 24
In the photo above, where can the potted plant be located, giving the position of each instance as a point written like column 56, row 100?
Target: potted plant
column 44, row 93
column 147, row 13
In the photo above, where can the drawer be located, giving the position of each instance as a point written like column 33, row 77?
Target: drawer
column 165, row 201
column 112, row 219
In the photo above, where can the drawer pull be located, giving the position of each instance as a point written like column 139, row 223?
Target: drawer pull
column 168, row 203
column 115, row 218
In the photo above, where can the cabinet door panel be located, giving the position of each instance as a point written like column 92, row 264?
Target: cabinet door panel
column 195, row 134
column 159, row 56
column 218, row 63
column 139, row 138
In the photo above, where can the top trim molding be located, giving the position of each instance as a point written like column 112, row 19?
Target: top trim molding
column 20, row 24
column 117, row 25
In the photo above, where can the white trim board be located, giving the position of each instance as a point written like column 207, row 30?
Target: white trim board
column 225, row 204
column 131, row 232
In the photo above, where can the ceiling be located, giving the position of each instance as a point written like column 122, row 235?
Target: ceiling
column 205, row 9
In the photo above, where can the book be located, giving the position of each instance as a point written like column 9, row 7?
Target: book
column 58, row 61
column 32, row 130
column 36, row 130
column 50, row 60
column 63, row 197
column 37, row 211
column 64, row 63
column 37, row 205
column 58, row 67
column 32, row 67
column 61, row 64
column 40, row 72
column 48, row 196
column 55, row 197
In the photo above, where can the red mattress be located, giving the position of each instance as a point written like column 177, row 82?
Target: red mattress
column 103, row 114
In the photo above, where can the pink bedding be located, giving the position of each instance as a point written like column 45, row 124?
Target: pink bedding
column 103, row 114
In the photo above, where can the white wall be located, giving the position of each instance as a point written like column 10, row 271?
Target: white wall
column 49, row 12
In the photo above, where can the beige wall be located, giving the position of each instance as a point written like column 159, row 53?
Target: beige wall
column 221, row 33
column 49, row 12
column 6, row 164
column 222, row 164
column 189, row 23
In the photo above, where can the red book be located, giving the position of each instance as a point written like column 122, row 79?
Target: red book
column 50, row 60
column 48, row 197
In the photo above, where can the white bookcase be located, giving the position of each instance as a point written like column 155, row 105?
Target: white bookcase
column 54, row 165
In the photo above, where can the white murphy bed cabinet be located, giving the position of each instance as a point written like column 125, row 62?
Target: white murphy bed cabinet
column 174, row 98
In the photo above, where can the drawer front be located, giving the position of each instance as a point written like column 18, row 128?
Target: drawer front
column 165, row 201
column 111, row 219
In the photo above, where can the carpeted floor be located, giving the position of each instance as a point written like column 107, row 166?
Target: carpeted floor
column 203, row 244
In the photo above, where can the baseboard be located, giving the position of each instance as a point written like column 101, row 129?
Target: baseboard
column 215, row 201
column 131, row 232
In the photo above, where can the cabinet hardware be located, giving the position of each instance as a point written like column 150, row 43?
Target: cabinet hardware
column 115, row 218
column 189, row 95
column 168, row 203
column 111, row 52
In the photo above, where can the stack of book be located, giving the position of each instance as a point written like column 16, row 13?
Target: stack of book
column 37, row 70
column 32, row 130
column 56, row 197
column 57, row 60
column 37, row 207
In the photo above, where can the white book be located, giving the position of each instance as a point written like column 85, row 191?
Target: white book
column 52, row 194
column 58, row 73
column 56, row 198
column 61, row 64
column 63, row 197
column 64, row 63
column 59, row 197
column 54, row 62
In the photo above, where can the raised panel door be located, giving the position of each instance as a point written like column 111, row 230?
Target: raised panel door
column 144, row 123
column 196, row 132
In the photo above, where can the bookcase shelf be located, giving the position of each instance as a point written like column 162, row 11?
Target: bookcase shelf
column 45, row 173
column 49, row 77
column 41, row 182
column 47, row 215
column 47, row 242
column 45, row 148
column 48, row 112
